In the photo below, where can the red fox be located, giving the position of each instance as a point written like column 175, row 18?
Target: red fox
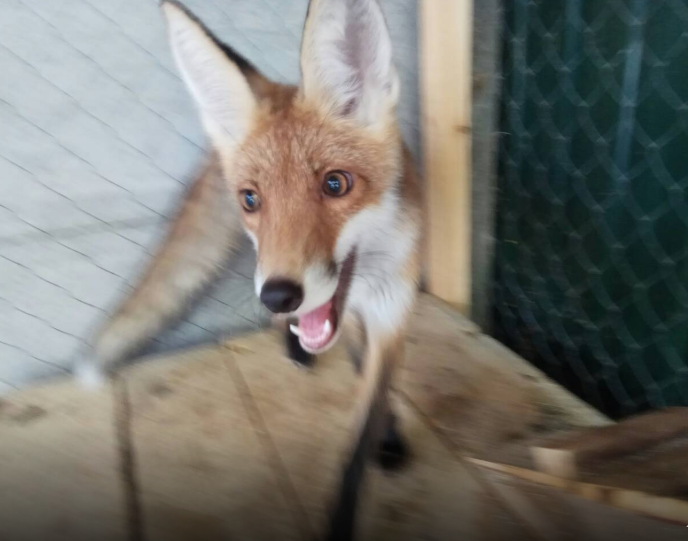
column 319, row 179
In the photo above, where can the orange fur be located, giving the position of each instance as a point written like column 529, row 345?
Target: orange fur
column 285, row 159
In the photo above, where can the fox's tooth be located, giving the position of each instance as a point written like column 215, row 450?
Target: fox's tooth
column 295, row 329
column 327, row 329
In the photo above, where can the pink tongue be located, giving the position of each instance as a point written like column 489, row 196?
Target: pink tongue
column 312, row 323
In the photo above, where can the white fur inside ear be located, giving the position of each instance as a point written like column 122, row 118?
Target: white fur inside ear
column 217, row 85
column 346, row 59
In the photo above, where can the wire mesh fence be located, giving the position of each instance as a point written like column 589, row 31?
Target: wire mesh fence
column 591, row 262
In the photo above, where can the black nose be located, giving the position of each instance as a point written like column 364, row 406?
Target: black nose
column 281, row 296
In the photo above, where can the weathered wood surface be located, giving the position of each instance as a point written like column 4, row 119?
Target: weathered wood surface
column 234, row 442
column 60, row 473
column 596, row 448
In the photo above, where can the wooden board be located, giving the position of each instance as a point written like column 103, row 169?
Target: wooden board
column 446, row 30
column 309, row 416
column 202, row 471
column 437, row 497
column 554, row 512
column 618, row 489
column 601, row 447
column 235, row 442
column 492, row 406
column 485, row 399
column 60, row 467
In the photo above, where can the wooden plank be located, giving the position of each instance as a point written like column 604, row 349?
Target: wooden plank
column 662, row 471
column 488, row 401
column 203, row 471
column 566, row 455
column 236, row 442
column 544, row 521
column 446, row 29
column 59, row 473
column 434, row 497
column 308, row 415
column 492, row 405
column 642, row 503
column 559, row 513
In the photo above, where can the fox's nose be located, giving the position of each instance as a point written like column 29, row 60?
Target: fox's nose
column 280, row 295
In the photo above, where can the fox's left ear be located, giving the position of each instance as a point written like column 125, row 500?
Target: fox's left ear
column 220, row 88
column 346, row 60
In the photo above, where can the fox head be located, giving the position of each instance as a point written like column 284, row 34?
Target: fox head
column 311, row 167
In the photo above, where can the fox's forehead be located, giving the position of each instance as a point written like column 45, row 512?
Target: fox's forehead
column 300, row 143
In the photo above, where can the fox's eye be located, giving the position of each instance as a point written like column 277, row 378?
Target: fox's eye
column 250, row 200
column 337, row 183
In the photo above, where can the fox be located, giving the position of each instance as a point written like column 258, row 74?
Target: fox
column 318, row 177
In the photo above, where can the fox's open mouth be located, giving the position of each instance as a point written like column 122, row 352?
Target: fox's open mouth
column 318, row 329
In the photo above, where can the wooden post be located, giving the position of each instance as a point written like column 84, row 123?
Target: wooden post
column 446, row 37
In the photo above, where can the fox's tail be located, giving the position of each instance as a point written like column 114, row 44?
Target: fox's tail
column 197, row 247
column 194, row 252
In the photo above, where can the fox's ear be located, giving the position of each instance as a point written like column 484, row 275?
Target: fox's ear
column 346, row 60
column 217, row 83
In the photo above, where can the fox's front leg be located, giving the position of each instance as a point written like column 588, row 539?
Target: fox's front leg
column 392, row 451
column 382, row 355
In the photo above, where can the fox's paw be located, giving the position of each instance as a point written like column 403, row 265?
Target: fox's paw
column 90, row 375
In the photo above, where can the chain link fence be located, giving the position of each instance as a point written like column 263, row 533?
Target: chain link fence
column 591, row 261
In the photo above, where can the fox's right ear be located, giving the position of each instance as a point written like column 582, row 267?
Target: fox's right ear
column 217, row 84
column 346, row 60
